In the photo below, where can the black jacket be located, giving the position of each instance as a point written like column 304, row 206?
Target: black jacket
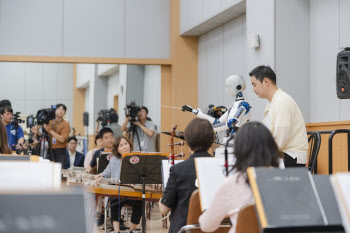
column 181, row 184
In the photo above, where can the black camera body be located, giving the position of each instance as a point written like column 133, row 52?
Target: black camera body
column 15, row 121
column 133, row 109
column 104, row 116
column 216, row 112
column 44, row 116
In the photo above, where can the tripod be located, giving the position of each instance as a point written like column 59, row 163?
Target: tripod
column 43, row 140
column 133, row 130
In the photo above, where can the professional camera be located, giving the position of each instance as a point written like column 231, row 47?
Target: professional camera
column 15, row 121
column 216, row 112
column 132, row 109
column 44, row 116
column 104, row 116
column 30, row 121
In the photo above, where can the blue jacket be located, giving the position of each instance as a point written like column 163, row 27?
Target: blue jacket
column 78, row 162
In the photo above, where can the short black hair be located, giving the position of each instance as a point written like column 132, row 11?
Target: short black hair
column 144, row 108
column 114, row 115
column 105, row 130
column 5, row 103
column 61, row 105
column 261, row 72
column 98, row 136
column 255, row 146
column 5, row 109
column 72, row 138
column 199, row 135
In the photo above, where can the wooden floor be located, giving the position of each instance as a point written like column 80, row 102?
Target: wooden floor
column 153, row 225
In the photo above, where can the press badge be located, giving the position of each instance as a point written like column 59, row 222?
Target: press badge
column 142, row 143
column 54, row 140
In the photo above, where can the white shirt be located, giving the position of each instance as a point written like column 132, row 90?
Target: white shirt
column 286, row 123
column 71, row 158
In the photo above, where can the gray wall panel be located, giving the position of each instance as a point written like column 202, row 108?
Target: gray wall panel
column 324, row 46
column 191, row 14
column 292, row 51
column 344, row 42
column 94, row 28
column 147, row 29
column 221, row 53
column 31, row 27
column 264, row 26
column 211, row 8
column 215, row 67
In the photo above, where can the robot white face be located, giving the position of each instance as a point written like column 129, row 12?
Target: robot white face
column 234, row 85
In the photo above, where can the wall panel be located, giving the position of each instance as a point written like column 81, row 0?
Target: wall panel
column 31, row 27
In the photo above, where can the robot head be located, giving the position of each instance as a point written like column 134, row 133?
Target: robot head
column 234, row 85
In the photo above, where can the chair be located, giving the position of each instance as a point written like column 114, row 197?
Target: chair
column 247, row 221
column 315, row 143
column 194, row 211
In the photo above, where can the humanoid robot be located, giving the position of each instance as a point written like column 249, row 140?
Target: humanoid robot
column 237, row 115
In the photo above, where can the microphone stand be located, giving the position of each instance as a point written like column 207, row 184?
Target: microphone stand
column 226, row 153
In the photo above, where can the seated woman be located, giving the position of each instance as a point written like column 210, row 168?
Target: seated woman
column 254, row 146
column 121, row 145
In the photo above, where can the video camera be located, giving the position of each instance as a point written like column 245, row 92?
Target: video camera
column 15, row 121
column 104, row 116
column 44, row 116
column 132, row 110
column 216, row 112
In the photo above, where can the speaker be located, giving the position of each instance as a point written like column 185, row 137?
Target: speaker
column 343, row 74
column 86, row 119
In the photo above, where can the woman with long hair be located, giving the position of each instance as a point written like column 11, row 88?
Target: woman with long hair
column 121, row 145
column 254, row 146
column 4, row 148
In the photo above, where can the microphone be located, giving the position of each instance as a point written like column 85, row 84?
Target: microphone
column 182, row 143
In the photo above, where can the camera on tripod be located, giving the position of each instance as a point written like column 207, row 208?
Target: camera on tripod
column 133, row 109
column 15, row 120
column 44, row 116
column 216, row 112
column 104, row 116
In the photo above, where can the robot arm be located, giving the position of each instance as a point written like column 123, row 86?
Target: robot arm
column 199, row 113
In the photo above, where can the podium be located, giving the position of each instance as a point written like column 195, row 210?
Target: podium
column 142, row 168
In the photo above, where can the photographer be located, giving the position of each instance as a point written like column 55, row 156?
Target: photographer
column 143, row 129
column 15, row 136
column 111, row 117
column 59, row 130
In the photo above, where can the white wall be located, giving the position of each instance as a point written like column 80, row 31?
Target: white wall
column 329, row 31
column 152, row 93
column 221, row 53
column 33, row 86
column 85, row 28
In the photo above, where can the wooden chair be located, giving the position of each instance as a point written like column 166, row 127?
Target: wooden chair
column 194, row 211
column 247, row 221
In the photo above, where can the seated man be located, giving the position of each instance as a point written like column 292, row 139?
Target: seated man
column 74, row 158
column 199, row 136
column 108, row 139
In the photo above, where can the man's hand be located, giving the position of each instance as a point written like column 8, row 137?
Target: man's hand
column 98, row 176
column 137, row 123
column 47, row 128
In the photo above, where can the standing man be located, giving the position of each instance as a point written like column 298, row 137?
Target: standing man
column 282, row 116
column 59, row 130
column 74, row 158
column 199, row 136
column 15, row 136
column 144, row 133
